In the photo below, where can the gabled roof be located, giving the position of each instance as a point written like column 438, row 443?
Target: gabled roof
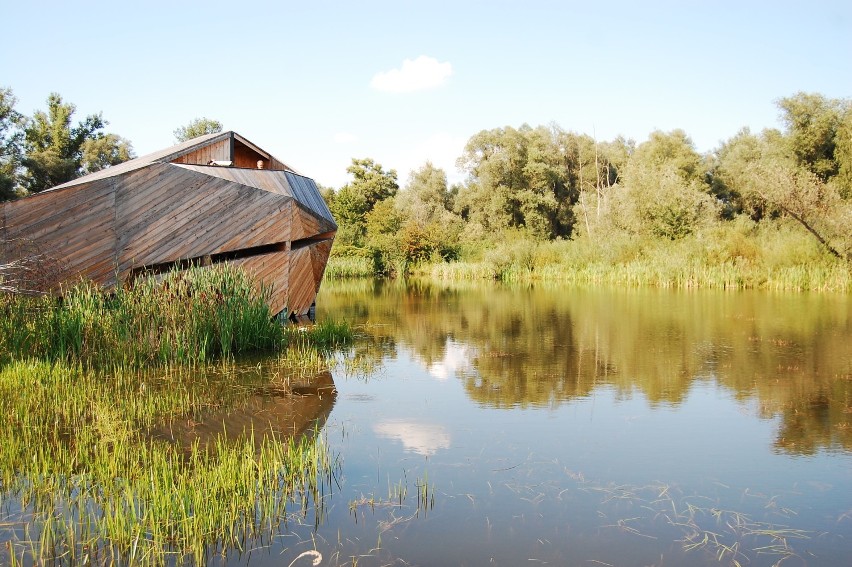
column 165, row 156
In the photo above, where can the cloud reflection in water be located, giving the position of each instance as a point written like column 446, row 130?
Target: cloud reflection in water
column 422, row 438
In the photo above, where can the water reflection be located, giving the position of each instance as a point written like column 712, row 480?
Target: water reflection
column 543, row 346
column 417, row 437
column 301, row 407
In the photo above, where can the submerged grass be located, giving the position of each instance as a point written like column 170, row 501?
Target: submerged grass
column 77, row 458
column 83, row 381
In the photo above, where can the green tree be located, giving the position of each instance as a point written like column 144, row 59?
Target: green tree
column 812, row 122
column 370, row 185
column 671, row 149
column 11, row 137
column 518, row 178
column 104, row 151
column 53, row 149
column 772, row 181
column 426, row 195
column 843, row 154
column 803, row 196
column 665, row 192
column 197, row 127
column 733, row 162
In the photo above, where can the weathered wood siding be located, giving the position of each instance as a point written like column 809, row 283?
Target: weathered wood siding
column 74, row 227
column 108, row 226
column 247, row 158
column 302, row 290
column 273, row 270
column 220, row 150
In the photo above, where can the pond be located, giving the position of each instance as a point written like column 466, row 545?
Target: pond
column 489, row 425
column 480, row 424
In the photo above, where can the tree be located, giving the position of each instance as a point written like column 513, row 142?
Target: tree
column 843, row 154
column 812, row 122
column 54, row 150
column 11, row 137
column 426, row 195
column 370, row 185
column 105, row 151
column 518, row 178
column 197, row 127
column 665, row 192
column 772, row 181
column 674, row 149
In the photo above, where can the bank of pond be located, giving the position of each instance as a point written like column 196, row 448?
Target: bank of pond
column 177, row 423
column 95, row 389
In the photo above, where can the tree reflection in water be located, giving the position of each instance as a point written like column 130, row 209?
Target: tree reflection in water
column 541, row 346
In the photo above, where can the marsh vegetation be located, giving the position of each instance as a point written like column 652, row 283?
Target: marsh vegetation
column 764, row 210
column 89, row 382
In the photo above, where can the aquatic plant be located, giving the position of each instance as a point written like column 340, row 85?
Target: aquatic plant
column 189, row 316
column 85, row 380
column 94, row 487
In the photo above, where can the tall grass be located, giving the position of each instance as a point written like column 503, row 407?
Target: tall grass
column 75, row 453
column 341, row 267
column 189, row 317
column 725, row 257
column 85, row 378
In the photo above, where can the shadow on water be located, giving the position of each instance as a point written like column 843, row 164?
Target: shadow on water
column 299, row 407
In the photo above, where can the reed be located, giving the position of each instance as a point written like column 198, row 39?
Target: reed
column 716, row 261
column 90, row 481
column 189, row 316
column 84, row 379
column 343, row 267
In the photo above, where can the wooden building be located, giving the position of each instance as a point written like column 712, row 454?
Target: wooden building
column 215, row 198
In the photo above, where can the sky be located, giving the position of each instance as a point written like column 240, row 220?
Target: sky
column 317, row 83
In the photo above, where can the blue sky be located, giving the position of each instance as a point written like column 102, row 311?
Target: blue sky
column 318, row 83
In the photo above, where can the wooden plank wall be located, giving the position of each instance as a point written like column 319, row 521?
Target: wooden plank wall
column 220, row 150
column 174, row 212
column 319, row 258
column 276, row 165
column 4, row 253
column 272, row 270
column 302, row 292
column 73, row 229
column 247, row 157
column 272, row 181
column 2, row 230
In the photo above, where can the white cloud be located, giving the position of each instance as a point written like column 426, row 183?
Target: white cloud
column 422, row 438
column 344, row 138
column 417, row 75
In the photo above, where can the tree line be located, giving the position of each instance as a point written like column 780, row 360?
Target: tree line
column 545, row 183
column 538, row 184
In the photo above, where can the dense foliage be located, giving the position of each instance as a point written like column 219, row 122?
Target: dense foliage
column 534, row 197
column 39, row 152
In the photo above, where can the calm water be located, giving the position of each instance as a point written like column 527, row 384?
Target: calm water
column 487, row 425
column 566, row 426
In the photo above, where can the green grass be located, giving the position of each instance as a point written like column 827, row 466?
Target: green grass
column 722, row 257
column 76, row 455
column 189, row 317
column 82, row 382
column 341, row 267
